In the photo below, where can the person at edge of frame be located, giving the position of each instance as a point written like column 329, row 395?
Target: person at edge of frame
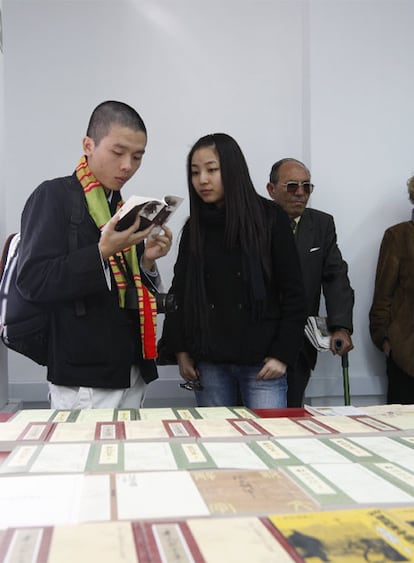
column 390, row 316
column 105, row 355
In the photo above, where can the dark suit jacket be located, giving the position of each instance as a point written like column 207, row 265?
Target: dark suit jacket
column 95, row 349
column 323, row 268
column 234, row 336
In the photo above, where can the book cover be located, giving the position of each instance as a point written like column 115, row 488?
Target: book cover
column 47, row 458
column 110, row 430
column 32, row 415
column 283, row 426
column 106, row 542
column 180, row 430
column 272, row 453
column 333, row 410
column 314, row 426
column 156, row 413
column 234, row 455
column 251, row 492
column 225, row 412
column 388, row 448
column 36, row 432
column 362, row 485
column 149, row 430
column 404, row 513
column 228, row 428
column 240, row 539
column 96, row 415
column 158, row 495
column 393, row 473
column 372, row 422
column 149, row 456
column 106, row 457
column 249, row 428
column 53, row 499
column 13, row 433
column 401, row 420
column 171, row 542
column 345, row 424
column 151, row 211
column 186, row 413
column 62, row 415
column 351, row 450
column 26, row 545
column 126, row 414
column 192, row 455
column 354, row 536
column 74, row 432
column 312, row 451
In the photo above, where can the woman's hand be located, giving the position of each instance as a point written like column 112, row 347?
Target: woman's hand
column 272, row 369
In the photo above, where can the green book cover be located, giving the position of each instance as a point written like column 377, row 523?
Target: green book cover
column 272, row 453
column 66, row 415
column 350, row 449
column 126, row 414
column 192, row 455
column 323, row 491
column 186, row 413
column 106, row 456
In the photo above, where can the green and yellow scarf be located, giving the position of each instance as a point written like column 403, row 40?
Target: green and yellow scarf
column 99, row 210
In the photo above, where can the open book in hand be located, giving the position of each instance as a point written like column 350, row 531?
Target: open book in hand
column 316, row 331
column 151, row 211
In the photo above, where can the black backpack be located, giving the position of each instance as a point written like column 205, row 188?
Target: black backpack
column 24, row 325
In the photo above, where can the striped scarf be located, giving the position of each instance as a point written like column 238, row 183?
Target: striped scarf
column 99, row 210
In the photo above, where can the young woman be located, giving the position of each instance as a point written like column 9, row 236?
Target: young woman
column 237, row 284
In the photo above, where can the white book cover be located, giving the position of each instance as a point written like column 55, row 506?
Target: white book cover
column 166, row 494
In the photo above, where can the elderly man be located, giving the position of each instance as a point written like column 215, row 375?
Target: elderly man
column 322, row 264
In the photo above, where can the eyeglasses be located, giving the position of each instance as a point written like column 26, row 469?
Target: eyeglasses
column 193, row 385
column 292, row 187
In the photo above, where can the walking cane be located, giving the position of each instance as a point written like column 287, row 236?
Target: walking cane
column 345, row 372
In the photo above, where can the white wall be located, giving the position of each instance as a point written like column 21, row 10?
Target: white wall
column 327, row 81
column 362, row 118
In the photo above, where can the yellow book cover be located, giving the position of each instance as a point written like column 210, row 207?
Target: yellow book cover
column 347, row 536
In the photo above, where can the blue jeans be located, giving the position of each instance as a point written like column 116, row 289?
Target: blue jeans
column 226, row 385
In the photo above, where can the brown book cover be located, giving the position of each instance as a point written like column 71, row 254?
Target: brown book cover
column 251, row 492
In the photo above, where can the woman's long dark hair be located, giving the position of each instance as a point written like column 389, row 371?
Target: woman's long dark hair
column 246, row 226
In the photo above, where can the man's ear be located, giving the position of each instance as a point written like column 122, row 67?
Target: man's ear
column 271, row 189
column 88, row 145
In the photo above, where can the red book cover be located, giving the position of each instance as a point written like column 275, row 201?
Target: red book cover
column 26, row 544
column 180, row 429
column 170, row 541
column 110, row 430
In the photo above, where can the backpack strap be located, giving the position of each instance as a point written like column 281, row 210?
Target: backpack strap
column 5, row 253
column 77, row 207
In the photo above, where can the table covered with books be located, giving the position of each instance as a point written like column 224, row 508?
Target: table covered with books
column 207, row 485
